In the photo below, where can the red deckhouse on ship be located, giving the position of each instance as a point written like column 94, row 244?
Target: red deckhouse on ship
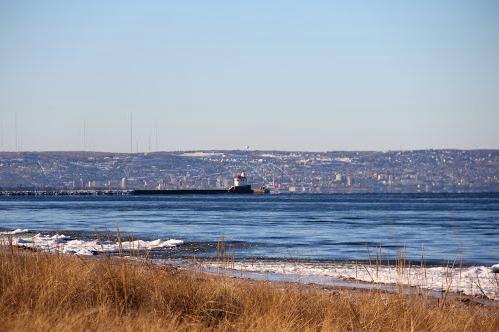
column 240, row 180
column 241, row 184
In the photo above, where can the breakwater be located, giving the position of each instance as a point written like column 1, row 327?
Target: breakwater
column 62, row 192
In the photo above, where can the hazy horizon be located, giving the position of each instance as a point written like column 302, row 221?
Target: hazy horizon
column 282, row 76
column 243, row 150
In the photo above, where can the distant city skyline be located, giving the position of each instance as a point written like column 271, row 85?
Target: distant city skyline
column 292, row 76
column 281, row 171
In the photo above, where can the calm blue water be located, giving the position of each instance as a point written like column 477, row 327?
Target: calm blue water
column 333, row 227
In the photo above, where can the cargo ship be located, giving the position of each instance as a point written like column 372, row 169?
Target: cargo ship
column 240, row 186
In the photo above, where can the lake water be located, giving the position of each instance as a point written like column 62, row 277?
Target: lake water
column 449, row 227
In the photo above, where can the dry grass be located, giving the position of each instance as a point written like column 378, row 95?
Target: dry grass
column 40, row 291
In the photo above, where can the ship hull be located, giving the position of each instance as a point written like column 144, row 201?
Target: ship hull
column 179, row 192
column 232, row 190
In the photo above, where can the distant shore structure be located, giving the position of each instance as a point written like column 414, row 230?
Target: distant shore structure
column 240, row 180
column 123, row 183
column 240, row 186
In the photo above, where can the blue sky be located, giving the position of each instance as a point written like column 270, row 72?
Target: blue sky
column 304, row 75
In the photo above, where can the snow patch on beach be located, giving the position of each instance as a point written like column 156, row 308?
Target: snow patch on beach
column 67, row 245
column 474, row 280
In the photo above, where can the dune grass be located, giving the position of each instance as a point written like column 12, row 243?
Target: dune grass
column 45, row 292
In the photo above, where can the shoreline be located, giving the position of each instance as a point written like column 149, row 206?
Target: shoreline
column 477, row 282
column 273, row 275
column 207, row 250
column 277, row 279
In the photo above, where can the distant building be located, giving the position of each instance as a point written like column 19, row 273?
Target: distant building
column 349, row 181
column 221, row 183
column 338, row 178
column 123, row 183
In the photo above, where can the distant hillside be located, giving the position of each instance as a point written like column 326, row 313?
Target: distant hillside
column 282, row 171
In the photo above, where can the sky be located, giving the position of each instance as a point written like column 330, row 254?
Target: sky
column 271, row 75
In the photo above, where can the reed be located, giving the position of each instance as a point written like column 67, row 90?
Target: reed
column 42, row 291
